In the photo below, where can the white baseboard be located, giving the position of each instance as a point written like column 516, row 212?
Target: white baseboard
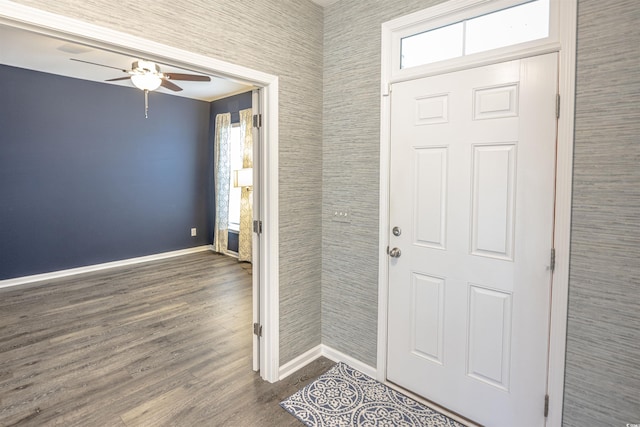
column 328, row 352
column 96, row 267
column 299, row 362
column 338, row 356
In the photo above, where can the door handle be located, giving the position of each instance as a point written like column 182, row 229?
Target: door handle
column 395, row 253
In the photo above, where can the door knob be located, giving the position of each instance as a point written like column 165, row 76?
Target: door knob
column 395, row 253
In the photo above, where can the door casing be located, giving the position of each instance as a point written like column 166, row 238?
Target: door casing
column 563, row 24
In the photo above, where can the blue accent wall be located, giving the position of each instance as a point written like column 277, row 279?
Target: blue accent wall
column 86, row 179
column 233, row 105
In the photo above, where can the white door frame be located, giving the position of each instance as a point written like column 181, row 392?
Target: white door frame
column 43, row 22
column 562, row 39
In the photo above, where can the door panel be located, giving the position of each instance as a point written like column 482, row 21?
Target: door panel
column 472, row 191
column 430, row 200
column 427, row 322
column 489, row 354
column 493, row 200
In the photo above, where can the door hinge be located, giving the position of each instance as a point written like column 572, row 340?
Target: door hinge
column 546, row 405
column 552, row 261
column 257, row 120
column 257, row 226
column 257, row 329
column 557, row 106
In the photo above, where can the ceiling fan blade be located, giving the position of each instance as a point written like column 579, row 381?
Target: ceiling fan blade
column 187, row 77
column 100, row 65
column 170, row 85
column 119, row 78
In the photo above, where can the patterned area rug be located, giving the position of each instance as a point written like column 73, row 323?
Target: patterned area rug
column 343, row 396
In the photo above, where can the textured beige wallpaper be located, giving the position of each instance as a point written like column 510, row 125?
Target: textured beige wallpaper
column 602, row 386
column 351, row 167
column 283, row 38
column 603, row 355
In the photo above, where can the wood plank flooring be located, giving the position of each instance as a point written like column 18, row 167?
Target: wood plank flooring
column 165, row 343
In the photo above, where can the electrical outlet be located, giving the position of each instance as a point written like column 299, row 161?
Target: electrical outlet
column 193, row 232
column 342, row 215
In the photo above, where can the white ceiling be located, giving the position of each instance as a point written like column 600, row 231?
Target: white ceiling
column 25, row 49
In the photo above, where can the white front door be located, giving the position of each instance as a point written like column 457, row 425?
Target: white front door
column 472, row 195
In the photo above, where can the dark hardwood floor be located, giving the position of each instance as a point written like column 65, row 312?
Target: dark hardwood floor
column 165, row 343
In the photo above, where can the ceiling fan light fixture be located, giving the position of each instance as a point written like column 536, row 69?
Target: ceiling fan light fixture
column 146, row 81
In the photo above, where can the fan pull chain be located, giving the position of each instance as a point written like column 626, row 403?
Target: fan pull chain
column 146, row 103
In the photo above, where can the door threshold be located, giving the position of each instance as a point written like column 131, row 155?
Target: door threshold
column 454, row 416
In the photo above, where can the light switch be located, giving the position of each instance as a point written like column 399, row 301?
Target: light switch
column 342, row 215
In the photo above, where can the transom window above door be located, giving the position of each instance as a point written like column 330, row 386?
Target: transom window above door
column 458, row 34
column 506, row 27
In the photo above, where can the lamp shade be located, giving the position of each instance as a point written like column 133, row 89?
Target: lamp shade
column 243, row 177
column 146, row 81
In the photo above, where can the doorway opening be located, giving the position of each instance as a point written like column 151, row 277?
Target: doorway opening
column 265, row 275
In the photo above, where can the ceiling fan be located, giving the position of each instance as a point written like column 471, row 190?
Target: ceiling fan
column 146, row 76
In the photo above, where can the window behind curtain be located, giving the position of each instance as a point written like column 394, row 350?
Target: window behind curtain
column 235, row 153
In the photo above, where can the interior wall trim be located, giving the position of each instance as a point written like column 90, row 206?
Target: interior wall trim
column 338, row 356
column 97, row 267
column 300, row 362
column 330, row 353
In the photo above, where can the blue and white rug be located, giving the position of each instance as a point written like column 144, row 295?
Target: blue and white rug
column 345, row 397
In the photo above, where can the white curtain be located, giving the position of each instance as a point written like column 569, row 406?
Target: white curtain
column 222, row 172
column 246, row 202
